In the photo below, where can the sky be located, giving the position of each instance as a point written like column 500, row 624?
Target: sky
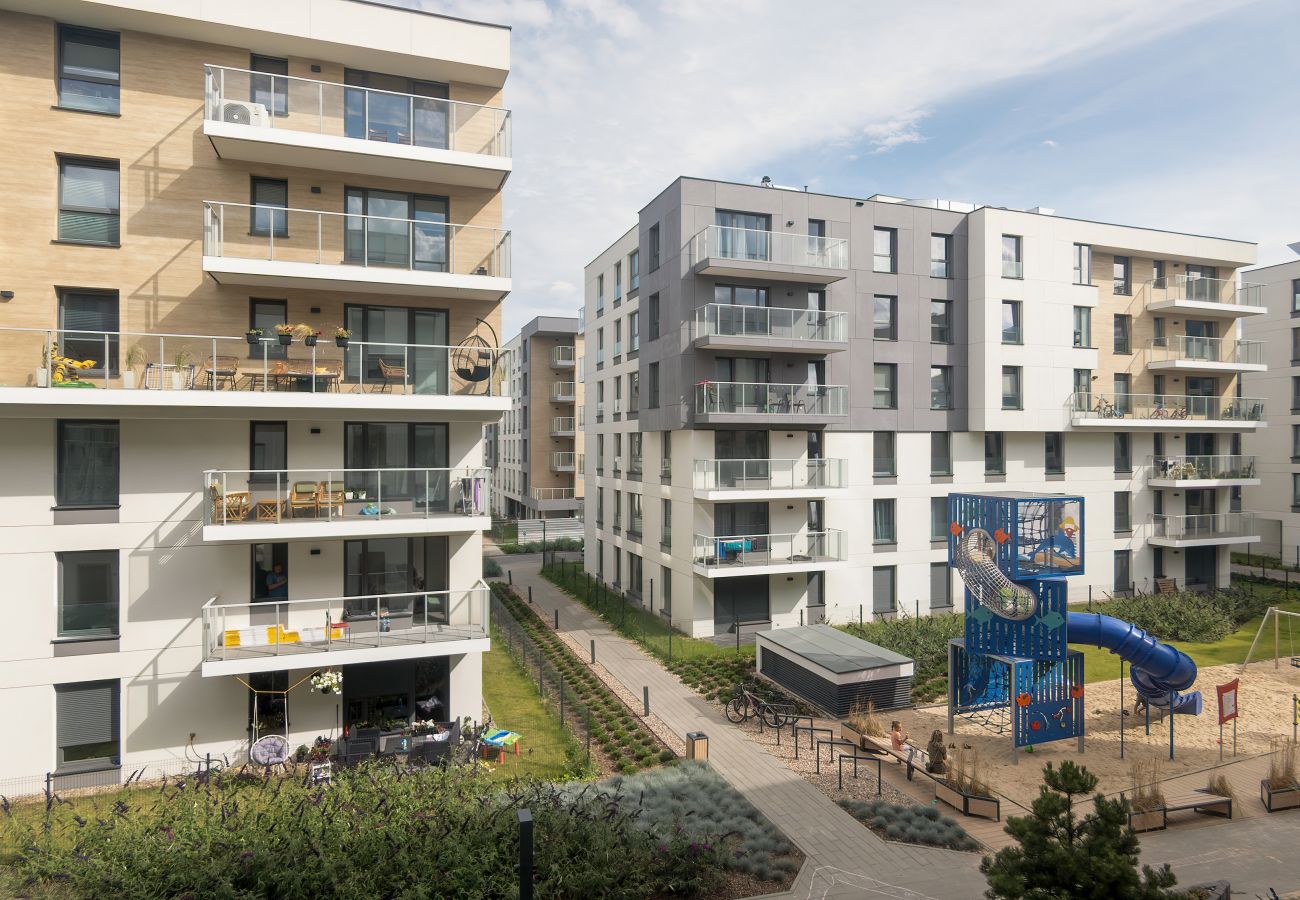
column 1176, row 114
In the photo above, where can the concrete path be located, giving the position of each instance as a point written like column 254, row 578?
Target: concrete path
column 844, row 859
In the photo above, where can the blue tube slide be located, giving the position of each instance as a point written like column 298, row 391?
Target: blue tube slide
column 1157, row 669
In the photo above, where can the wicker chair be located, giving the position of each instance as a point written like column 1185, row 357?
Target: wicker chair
column 222, row 368
column 330, row 498
column 232, row 507
column 392, row 374
column 304, row 495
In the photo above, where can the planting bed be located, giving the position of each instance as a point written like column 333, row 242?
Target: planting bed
column 910, row 824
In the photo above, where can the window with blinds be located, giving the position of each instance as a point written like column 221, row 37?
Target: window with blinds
column 88, row 200
column 88, row 325
column 88, row 597
column 87, row 465
column 87, row 714
column 90, row 69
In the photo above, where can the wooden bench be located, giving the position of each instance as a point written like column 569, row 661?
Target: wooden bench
column 912, row 756
column 1158, row 818
column 1166, row 585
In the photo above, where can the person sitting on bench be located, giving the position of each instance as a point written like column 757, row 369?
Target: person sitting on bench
column 937, row 754
column 897, row 737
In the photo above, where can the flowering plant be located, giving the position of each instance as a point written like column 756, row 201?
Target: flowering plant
column 327, row 681
column 341, row 332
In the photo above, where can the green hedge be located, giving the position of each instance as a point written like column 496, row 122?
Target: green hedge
column 924, row 640
column 1188, row 615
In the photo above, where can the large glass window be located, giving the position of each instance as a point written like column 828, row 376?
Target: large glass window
column 940, row 321
column 652, row 316
column 267, row 89
column 940, row 586
column 941, row 453
column 1012, row 264
column 884, row 318
column 995, row 457
column 666, row 526
column 1123, row 280
column 941, row 256
column 884, row 461
column 87, row 716
column 385, row 329
column 1011, row 333
column 633, row 270
column 653, row 240
column 89, row 211
column 1082, row 264
column 941, row 387
column 88, row 322
column 1083, row 388
column 1054, row 453
column 1123, row 334
column 1123, row 511
column 404, row 230
column 618, row 281
column 652, row 388
column 1123, row 571
column 883, row 530
column 386, row 113
column 1011, row 394
column 270, row 199
column 938, row 518
column 268, row 450
column 885, row 390
column 1083, row 326
column 88, row 593
column 88, row 460
column 740, row 518
column 635, row 516
column 402, row 565
column 266, row 314
column 883, row 579
column 1123, row 453
column 90, row 69
column 270, row 572
column 633, row 332
column 403, row 446
column 743, row 235
column 885, row 247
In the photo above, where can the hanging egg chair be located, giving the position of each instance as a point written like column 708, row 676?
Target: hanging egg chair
column 473, row 358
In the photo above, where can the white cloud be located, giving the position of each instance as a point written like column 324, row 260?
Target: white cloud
column 885, row 136
column 1050, row 144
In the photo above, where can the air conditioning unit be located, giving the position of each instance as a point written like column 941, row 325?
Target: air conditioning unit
column 238, row 112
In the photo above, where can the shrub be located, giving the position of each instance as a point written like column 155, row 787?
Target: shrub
column 924, row 640
column 666, row 755
column 910, row 824
column 491, row 569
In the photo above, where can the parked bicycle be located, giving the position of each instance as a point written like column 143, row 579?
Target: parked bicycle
column 1107, row 410
column 746, row 704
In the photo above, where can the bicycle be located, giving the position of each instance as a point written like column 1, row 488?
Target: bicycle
column 745, row 705
column 1107, row 410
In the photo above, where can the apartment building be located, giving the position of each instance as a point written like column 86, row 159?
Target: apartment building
column 252, row 256
column 783, row 387
column 537, row 447
column 1275, row 495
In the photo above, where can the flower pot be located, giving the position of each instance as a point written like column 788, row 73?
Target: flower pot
column 327, row 690
column 128, row 379
column 968, row 804
column 285, row 339
column 178, row 381
column 341, row 342
column 253, row 339
column 349, row 495
column 1150, row 820
column 42, row 377
column 1278, row 798
column 310, row 340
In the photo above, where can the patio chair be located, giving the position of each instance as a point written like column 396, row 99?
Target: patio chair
column 222, row 368
column 330, row 498
column 356, row 750
column 303, row 495
column 329, row 372
column 368, row 734
column 232, row 507
column 391, row 375
column 432, row 753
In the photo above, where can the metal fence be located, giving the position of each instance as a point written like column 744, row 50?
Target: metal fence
column 536, row 530
column 109, row 781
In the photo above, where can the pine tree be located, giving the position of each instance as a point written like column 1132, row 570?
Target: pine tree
column 1057, row 855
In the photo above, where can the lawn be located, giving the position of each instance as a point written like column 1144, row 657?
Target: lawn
column 548, row 750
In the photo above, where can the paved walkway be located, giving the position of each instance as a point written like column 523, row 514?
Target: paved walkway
column 844, row 858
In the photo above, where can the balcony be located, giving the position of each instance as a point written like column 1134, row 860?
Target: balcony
column 276, row 635
column 301, row 504
column 767, row 479
column 719, row 402
column 563, row 427
column 556, row 498
column 271, row 247
column 564, row 356
column 1202, row 471
column 564, row 392
column 333, row 127
column 47, row 367
column 1203, row 530
column 723, row 326
column 770, row 255
column 564, row 461
column 1204, row 297
column 1186, row 353
column 1164, row 412
column 720, row 556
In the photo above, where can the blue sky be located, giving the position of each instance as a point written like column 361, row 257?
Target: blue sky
column 1177, row 114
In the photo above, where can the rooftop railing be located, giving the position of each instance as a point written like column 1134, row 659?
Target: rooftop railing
column 1204, row 290
column 259, row 496
column 1200, row 468
column 126, row 360
column 744, row 398
column 768, row 549
column 1190, row 348
column 1204, row 526
column 768, row 474
column 1171, row 407
column 290, row 103
column 779, row 247
column 726, row 320
column 273, row 233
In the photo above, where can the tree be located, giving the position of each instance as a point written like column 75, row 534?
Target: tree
column 1057, row 855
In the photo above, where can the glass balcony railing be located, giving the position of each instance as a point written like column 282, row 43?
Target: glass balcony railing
column 290, row 628
column 564, row 461
column 768, row 549
column 1171, row 407
column 1189, row 348
column 768, row 474
column 276, row 234
column 124, row 360
column 252, row 496
column 1212, row 525
column 564, row 391
column 288, row 103
column 779, row 247
column 759, row 399
column 1202, row 468
column 1174, row 288
column 554, row 493
column 725, row 320
column 564, row 356
column 1013, row 268
column 563, row 425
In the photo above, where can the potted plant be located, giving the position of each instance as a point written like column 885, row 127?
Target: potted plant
column 342, row 336
column 311, row 338
column 254, row 336
column 1147, row 804
column 327, row 682
column 1280, row 789
column 963, row 787
column 285, row 333
column 181, row 361
column 135, row 357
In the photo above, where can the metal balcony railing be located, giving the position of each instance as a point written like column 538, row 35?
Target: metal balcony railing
column 780, row 247
column 564, row 461
column 769, row 549
column 1204, row 290
column 564, row 355
column 1172, row 407
column 563, row 425
column 768, row 474
column 1201, row 468
column 554, row 493
column 564, row 391
column 760, row 399
column 1226, row 525
column 1183, row 347
column 726, row 320
column 289, row 103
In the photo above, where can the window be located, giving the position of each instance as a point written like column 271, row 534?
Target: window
column 1295, row 442
column 1158, row 272
column 941, row 256
column 1295, row 489
column 401, row 446
column 600, row 346
column 941, row 453
column 816, row 589
column 1123, row 453
column 1054, row 453
column 90, row 69
column 666, row 456
column 1123, row 511
column 618, row 339
column 652, row 389
column 666, row 607
column 1082, row 264
column 1123, row 389
column 1122, row 276
column 88, row 593
column 266, row 314
column 600, row 294
column 634, row 454
column 88, row 200
column 633, row 332
column 87, row 329
column 1011, row 322
column 886, row 250
column 600, row 454
column 86, row 722
column 1295, row 295
column 88, row 460
column 882, row 589
column 941, row 387
column 995, row 459
column 618, row 452
column 600, row 504
column 1123, row 571
column 1083, row 388
column 652, row 315
column 633, row 392
column 885, row 394
column 618, row 395
column 938, row 518
column 268, row 451
column 633, row 270
column 266, row 88
column 618, row 508
column 1123, row 334
column 654, row 247
column 666, row 524
column 618, row 281
column 1295, row 393
column 1083, row 326
column 1012, row 265
column 940, row 586
column 884, row 314
column 884, row 463
column 882, row 521
column 635, row 517
column 940, row 321
column 1011, row 398
column 600, row 561
column 270, row 197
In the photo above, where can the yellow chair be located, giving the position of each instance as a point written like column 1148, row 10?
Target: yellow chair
column 303, row 495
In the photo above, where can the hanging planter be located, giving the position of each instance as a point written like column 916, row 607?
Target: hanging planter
column 254, row 336
column 327, row 682
column 342, row 336
column 310, row 340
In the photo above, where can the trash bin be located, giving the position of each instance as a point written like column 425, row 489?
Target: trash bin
column 697, row 746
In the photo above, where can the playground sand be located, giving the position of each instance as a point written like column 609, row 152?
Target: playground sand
column 1264, row 700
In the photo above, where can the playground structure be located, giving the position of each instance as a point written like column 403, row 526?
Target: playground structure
column 1277, row 615
column 1013, row 671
